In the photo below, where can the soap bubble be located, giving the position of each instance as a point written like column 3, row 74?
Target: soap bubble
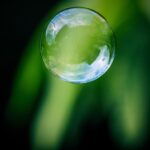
column 78, row 45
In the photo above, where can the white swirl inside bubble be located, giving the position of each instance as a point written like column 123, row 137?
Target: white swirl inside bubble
column 78, row 45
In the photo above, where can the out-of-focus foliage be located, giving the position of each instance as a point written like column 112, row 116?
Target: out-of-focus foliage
column 123, row 90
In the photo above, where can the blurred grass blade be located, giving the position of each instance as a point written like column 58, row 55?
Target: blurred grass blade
column 26, row 84
column 54, row 114
column 128, row 122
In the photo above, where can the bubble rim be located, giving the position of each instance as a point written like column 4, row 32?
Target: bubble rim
column 113, row 50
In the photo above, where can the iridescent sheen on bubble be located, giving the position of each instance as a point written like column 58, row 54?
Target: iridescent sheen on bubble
column 78, row 45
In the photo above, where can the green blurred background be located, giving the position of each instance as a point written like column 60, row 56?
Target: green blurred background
column 41, row 112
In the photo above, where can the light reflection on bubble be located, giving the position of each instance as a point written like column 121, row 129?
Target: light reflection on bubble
column 78, row 45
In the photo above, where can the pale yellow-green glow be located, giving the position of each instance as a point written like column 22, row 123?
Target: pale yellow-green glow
column 111, row 9
column 54, row 113
column 132, row 115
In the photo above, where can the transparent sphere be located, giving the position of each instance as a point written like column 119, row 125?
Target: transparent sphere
column 78, row 45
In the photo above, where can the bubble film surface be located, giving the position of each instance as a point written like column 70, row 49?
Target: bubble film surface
column 78, row 45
